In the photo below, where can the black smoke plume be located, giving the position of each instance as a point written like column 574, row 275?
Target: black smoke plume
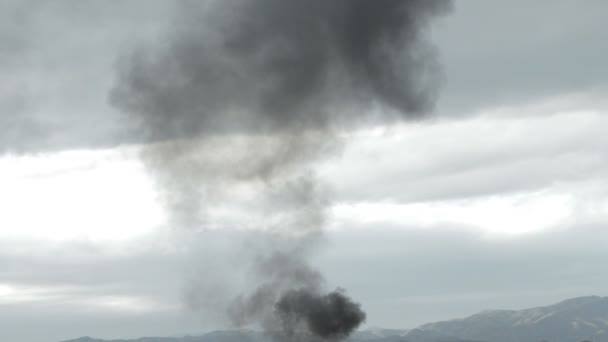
column 259, row 65
column 250, row 94
column 331, row 316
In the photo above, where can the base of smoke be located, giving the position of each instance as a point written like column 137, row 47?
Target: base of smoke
column 249, row 279
column 302, row 314
column 331, row 316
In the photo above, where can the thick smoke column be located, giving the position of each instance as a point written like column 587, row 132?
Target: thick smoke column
column 249, row 94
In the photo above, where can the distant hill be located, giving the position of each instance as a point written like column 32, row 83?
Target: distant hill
column 375, row 335
column 572, row 320
column 216, row 336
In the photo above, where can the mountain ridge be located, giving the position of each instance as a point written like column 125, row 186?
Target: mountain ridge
column 571, row 320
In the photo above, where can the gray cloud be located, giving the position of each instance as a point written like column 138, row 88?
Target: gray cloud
column 476, row 157
column 56, row 323
column 53, row 91
column 520, row 52
column 90, row 267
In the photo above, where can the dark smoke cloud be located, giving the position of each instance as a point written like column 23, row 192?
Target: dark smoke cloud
column 330, row 316
column 276, row 64
column 244, row 97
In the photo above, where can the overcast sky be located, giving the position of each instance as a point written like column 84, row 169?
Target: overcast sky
column 500, row 200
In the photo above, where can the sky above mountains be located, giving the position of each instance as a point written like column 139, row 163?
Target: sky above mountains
column 498, row 200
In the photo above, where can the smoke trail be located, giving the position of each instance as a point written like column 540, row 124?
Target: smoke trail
column 242, row 100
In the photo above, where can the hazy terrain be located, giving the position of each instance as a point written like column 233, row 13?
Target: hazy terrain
column 578, row 319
